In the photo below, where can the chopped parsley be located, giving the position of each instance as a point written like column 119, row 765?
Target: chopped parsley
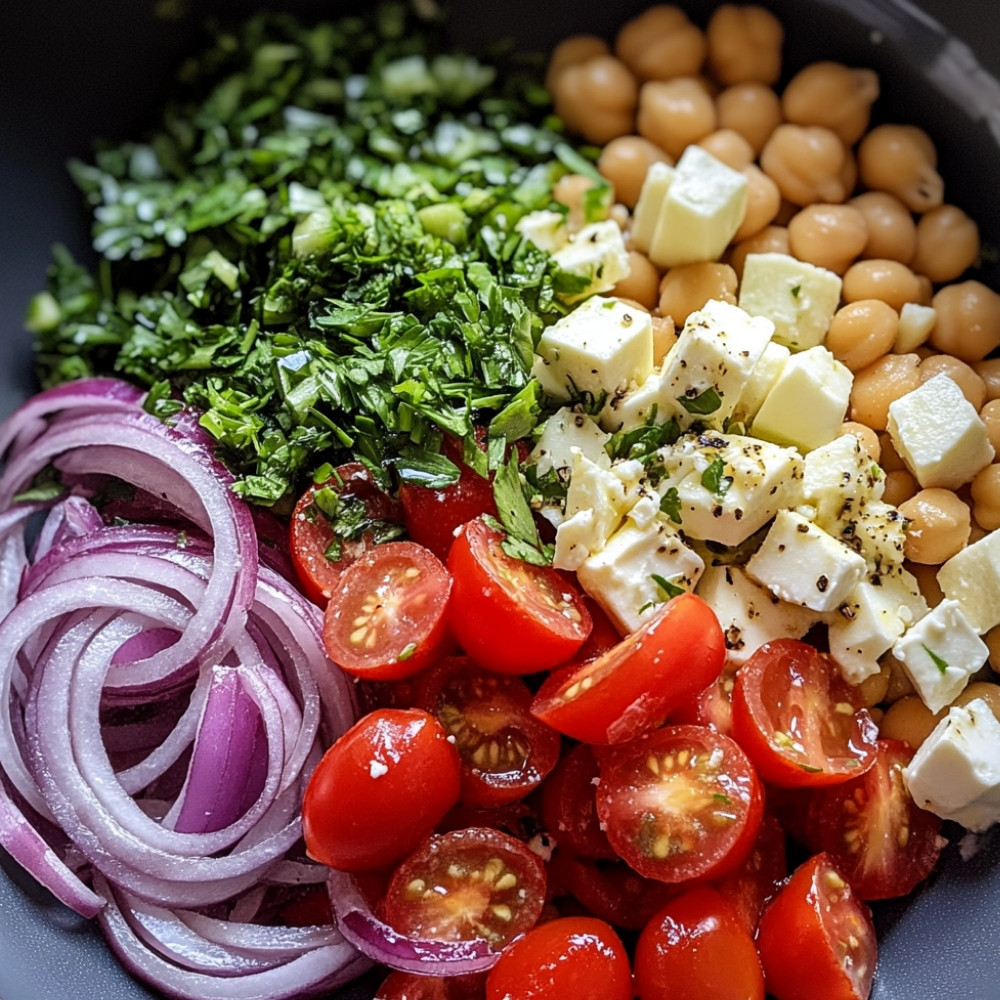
column 706, row 402
column 938, row 661
column 714, row 478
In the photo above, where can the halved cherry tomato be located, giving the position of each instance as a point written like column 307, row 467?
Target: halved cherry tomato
column 505, row 751
column 318, row 555
column 816, row 939
column 311, row 908
column 408, row 986
column 568, row 806
column 603, row 633
column 402, row 774
column 634, row 686
column 697, row 948
column 569, row 958
column 682, row 802
column 712, row 706
column 798, row 720
column 508, row 615
column 883, row 844
column 517, row 819
column 386, row 617
column 473, row 883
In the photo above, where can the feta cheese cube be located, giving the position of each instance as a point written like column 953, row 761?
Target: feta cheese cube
column 577, row 537
column 659, row 177
column 915, row 325
column 808, row 401
column 940, row 653
column 598, row 489
column 802, row 564
column 939, row 435
column 706, row 369
column 729, row 485
column 836, row 476
column 750, row 614
column 622, row 576
column 956, row 771
column 799, row 298
column 972, row 577
column 546, row 229
column 603, row 346
column 565, row 430
column 635, row 407
column 597, row 253
column 703, row 207
column 765, row 373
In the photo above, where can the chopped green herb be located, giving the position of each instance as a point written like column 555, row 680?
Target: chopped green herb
column 516, row 520
column 796, row 291
column 670, row 504
column 703, row 404
column 714, row 478
column 938, row 661
column 666, row 586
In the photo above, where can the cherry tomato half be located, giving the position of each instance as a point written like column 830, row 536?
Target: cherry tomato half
column 318, row 555
column 570, row 957
column 816, row 938
column 472, row 883
column 379, row 790
column 508, row 615
column 682, row 802
column 798, row 720
column 697, row 948
column 883, row 844
column 634, row 686
column 408, row 986
column 386, row 617
column 505, row 751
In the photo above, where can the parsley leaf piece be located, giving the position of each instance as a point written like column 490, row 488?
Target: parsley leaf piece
column 666, row 586
column 938, row 661
column 703, row 404
column 516, row 520
column 714, row 478
column 670, row 504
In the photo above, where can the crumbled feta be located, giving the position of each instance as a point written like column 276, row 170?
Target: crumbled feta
column 915, row 325
column 597, row 253
column 563, row 432
column 972, row 578
column 546, row 229
column 659, row 177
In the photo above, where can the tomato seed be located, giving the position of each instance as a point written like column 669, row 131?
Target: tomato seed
column 506, row 881
column 502, row 912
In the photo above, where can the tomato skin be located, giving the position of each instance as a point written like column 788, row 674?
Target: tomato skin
column 399, row 763
column 603, row 633
column 798, row 721
column 712, row 706
column 680, row 803
column 697, row 948
column 570, row 957
column 634, row 686
column 509, row 616
column 408, row 986
column 816, row 938
column 310, row 533
column 387, row 618
column 882, row 843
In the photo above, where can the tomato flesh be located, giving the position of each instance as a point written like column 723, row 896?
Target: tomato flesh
column 386, row 619
column 634, row 686
column 400, row 765
column 511, row 616
column 682, row 802
column 467, row 884
column 798, row 721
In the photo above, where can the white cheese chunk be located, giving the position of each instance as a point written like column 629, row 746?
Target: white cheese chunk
column 802, row 564
column 750, row 614
column 762, row 378
column 972, row 577
column 726, row 486
column 703, row 207
column 622, row 576
column 577, row 537
column 837, row 475
column 940, row 653
column 915, row 325
column 546, row 229
column 808, row 401
column 659, row 177
column 637, row 406
column 799, row 298
column 939, row 435
column 715, row 354
column 565, row 430
column 956, row 771
column 593, row 487
column 602, row 346
column 596, row 253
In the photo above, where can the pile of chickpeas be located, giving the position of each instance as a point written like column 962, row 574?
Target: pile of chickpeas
column 824, row 187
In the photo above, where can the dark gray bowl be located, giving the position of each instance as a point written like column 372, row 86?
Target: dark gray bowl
column 75, row 71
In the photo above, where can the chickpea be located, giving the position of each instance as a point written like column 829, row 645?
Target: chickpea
column 744, row 45
column 892, row 233
column 909, row 720
column 832, row 95
column 900, row 684
column 989, row 372
column 751, row 109
column 926, row 290
column 870, row 442
column 878, row 385
column 989, row 413
column 661, row 43
column 673, row 114
column 939, row 526
column 902, row 160
column 927, row 581
column 771, row 239
column 985, row 489
column 664, row 337
column 569, row 190
column 987, row 690
column 642, row 283
column 947, row 244
column 597, row 98
column 806, row 162
column 873, row 688
column 730, row 147
column 763, row 202
column 891, row 462
column 686, row 288
column 829, row 236
column 968, row 320
column 963, row 375
column 624, row 162
column 900, row 485
column 992, row 640
column 888, row 280
column 569, row 52
column 862, row 332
